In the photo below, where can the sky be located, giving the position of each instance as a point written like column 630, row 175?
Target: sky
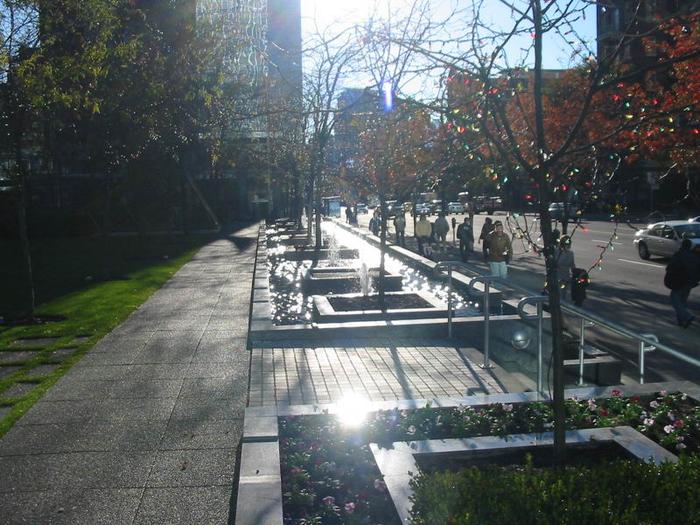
column 557, row 54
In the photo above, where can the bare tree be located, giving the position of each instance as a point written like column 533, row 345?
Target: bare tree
column 503, row 101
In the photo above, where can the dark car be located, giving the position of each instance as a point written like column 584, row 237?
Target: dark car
column 557, row 211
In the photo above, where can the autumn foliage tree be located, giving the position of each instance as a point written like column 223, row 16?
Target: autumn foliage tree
column 671, row 97
column 395, row 146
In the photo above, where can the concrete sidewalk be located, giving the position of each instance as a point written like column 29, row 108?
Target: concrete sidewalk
column 146, row 427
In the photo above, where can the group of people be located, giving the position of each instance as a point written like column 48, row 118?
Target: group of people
column 351, row 215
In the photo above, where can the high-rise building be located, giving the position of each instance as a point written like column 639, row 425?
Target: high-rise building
column 261, row 56
column 623, row 26
column 632, row 18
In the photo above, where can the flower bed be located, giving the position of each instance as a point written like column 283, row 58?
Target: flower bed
column 329, row 475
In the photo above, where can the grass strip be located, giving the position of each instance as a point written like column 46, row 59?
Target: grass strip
column 91, row 313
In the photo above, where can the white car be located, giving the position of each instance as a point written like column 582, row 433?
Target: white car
column 664, row 238
column 455, row 207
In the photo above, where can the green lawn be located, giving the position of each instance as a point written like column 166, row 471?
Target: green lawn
column 95, row 284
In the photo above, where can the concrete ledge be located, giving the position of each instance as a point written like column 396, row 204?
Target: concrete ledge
column 397, row 463
column 325, row 313
column 603, row 370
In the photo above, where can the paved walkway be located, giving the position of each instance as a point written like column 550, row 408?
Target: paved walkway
column 146, row 428
column 374, row 370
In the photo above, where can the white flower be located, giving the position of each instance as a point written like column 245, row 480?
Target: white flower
column 663, row 393
column 654, row 404
column 508, row 407
column 668, row 429
column 648, row 422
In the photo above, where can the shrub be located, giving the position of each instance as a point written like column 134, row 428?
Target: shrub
column 620, row 493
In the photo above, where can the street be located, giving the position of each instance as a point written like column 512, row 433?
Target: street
column 626, row 290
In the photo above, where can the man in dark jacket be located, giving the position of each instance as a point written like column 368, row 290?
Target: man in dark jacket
column 486, row 229
column 465, row 233
column 683, row 273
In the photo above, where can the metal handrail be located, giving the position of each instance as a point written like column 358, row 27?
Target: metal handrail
column 440, row 267
column 539, row 301
column 645, row 341
column 486, row 279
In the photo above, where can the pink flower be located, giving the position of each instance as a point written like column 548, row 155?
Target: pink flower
column 616, row 393
column 668, row 429
column 663, row 393
column 508, row 407
column 679, row 423
column 350, row 507
column 296, row 471
column 329, row 500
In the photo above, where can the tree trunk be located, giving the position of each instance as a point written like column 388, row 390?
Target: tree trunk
column 309, row 210
column 550, row 255
column 24, row 241
column 382, row 250
column 317, row 221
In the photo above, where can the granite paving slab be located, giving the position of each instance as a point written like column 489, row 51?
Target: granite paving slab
column 17, row 357
column 94, row 506
column 18, row 390
column 198, row 434
column 193, row 468
column 62, row 353
column 42, row 370
column 193, row 505
column 7, row 370
column 33, row 342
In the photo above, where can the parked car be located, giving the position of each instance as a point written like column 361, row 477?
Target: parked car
column 664, row 238
column 393, row 207
column 487, row 204
column 436, row 206
column 455, row 207
column 694, row 219
column 422, row 208
column 557, row 210
column 361, row 208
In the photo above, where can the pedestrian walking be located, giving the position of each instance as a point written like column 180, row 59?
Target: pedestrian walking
column 375, row 222
column 465, row 234
column 423, row 229
column 565, row 264
column 498, row 251
column 454, row 230
column 683, row 274
column 486, row 230
column 400, row 229
column 441, row 227
column 348, row 214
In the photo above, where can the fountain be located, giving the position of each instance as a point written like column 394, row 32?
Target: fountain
column 363, row 273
